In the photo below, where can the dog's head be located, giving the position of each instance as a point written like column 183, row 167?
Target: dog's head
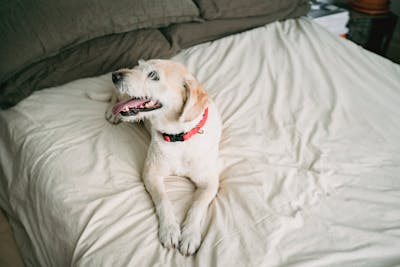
column 158, row 88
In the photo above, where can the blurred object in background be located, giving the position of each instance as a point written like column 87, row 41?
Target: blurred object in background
column 393, row 52
column 372, row 25
column 372, row 7
column 329, row 16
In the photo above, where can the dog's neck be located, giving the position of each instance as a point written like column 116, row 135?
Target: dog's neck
column 171, row 127
column 184, row 136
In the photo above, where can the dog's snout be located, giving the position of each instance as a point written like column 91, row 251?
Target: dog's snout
column 117, row 77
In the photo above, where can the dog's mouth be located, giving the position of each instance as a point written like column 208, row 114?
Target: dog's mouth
column 135, row 105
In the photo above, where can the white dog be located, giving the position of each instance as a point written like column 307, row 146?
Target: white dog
column 185, row 131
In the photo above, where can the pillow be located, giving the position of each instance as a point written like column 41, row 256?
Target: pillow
column 184, row 35
column 94, row 57
column 33, row 30
column 217, row 9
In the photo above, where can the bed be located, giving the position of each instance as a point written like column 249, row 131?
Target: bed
column 310, row 146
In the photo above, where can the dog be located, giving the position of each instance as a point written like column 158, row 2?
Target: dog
column 185, row 129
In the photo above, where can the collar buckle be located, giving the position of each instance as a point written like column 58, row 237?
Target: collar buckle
column 173, row 137
column 180, row 137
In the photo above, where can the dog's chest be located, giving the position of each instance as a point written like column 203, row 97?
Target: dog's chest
column 191, row 159
column 183, row 162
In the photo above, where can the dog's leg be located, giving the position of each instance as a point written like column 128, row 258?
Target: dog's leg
column 191, row 232
column 169, row 230
column 109, row 114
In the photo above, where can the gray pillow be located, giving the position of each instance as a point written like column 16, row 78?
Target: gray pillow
column 183, row 35
column 94, row 57
column 33, row 30
column 223, row 9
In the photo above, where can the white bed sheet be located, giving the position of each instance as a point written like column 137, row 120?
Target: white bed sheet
column 310, row 149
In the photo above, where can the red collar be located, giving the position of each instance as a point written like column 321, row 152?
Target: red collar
column 185, row 136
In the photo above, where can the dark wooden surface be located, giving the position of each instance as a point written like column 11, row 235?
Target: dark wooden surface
column 373, row 32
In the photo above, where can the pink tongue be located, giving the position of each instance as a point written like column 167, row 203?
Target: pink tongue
column 133, row 103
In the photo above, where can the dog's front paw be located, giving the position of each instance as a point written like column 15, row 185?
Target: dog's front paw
column 190, row 242
column 169, row 234
column 111, row 118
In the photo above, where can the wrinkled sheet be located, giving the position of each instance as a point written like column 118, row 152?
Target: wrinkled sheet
column 310, row 150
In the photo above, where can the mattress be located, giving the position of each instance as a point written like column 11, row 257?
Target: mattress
column 310, row 155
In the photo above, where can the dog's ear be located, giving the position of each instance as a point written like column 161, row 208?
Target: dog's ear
column 195, row 101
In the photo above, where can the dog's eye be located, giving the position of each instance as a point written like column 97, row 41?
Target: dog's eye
column 153, row 75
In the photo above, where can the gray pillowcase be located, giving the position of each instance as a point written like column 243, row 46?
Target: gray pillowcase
column 33, row 30
column 226, row 9
column 184, row 35
column 94, row 57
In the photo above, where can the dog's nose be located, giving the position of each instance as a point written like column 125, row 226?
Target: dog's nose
column 117, row 77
